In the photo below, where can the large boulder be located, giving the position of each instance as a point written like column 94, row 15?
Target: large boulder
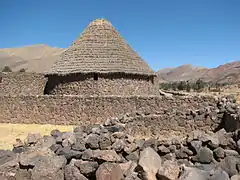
column 134, row 156
column 205, row 155
column 87, row 168
column 56, row 133
column 107, row 155
column 207, row 138
column 225, row 139
column 229, row 164
column 109, row 171
column 130, row 148
column 69, row 153
column 196, row 145
column 9, row 164
column 149, row 163
column 168, row 170
column 219, row 153
column 87, row 155
column 181, row 154
column 162, row 150
column 49, row 169
column 46, row 142
column 6, row 156
column 235, row 177
column 219, row 174
column 29, row 159
column 71, row 172
column 128, row 168
column 119, row 145
column 93, row 141
column 79, row 145
column 33, row 138
column 192, row 173
column 68, row 139
column 55, row 147
column 105, row 141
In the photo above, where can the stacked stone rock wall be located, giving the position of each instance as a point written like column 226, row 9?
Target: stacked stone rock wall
column 152, row 114
column 107, row 152
column 103, row 84
column 21, row 83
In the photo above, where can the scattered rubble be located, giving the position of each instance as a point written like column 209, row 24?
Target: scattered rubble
column 108, row 152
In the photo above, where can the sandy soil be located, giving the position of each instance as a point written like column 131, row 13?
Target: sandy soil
column 9, row 132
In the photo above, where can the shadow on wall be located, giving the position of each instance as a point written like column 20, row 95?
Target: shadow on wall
column 55, row 80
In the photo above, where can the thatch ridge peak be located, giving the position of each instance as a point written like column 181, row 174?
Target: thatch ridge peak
column 100, row 48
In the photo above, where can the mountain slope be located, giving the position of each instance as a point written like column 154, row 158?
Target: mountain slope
column 39, row 58
column 181, row 73
column 35, row 58
column 229, row 72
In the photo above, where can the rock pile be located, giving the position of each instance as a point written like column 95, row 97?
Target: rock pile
column 107, row 152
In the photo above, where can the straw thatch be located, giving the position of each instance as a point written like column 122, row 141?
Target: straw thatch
column 100, row 49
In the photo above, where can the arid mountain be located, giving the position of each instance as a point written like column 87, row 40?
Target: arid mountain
column 39, row 58
column 35, row 58
column 181, row 73
column 229, row 72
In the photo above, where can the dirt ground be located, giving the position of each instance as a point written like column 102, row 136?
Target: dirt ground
column 9, row 132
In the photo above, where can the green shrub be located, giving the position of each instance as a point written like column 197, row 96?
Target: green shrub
column 188, row 86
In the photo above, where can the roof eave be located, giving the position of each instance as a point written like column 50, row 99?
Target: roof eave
column 99, row 72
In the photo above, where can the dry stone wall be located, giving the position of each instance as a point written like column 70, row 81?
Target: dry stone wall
column 157, row 114
column 22, row 83
column 107, row 152
column 116, row 84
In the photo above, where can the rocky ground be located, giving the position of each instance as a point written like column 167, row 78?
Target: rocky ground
column 105, row 152
column 108, row 152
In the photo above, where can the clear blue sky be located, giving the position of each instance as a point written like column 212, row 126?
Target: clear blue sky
column 165, row 33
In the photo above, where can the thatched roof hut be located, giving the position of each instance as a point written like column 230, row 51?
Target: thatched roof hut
column 99, row 51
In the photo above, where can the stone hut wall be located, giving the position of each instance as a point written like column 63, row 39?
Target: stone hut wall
column 161, row 114
column 22, row 83
column 101, row 84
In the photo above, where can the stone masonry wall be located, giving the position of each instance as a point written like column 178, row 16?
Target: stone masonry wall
column 165, row 114
column 22, row 83
column 117, row 84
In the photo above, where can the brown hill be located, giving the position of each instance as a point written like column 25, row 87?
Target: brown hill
column 40, row 58
column 229, row 72
column 35, row 58
column 181, row 73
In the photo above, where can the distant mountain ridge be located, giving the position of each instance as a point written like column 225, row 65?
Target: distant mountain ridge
column 39, row 58
column 34, row 58
column 226, row 73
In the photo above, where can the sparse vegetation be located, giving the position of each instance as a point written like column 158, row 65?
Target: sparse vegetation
column 197, row 86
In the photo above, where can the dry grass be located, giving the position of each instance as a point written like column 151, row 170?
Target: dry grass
column 9, row 132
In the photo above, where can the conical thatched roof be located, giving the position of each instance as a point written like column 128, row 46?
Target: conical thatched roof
column 100, row 48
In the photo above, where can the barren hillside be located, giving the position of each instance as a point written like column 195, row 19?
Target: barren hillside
column 184, row 72
column 35, row 58
column 39, row 58
column 229, row 72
